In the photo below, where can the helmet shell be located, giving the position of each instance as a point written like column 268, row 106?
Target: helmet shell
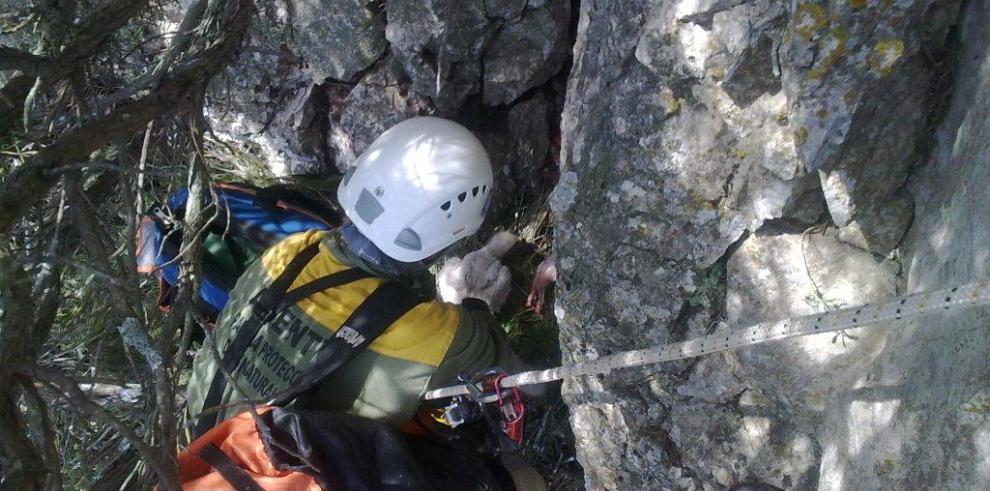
column 421, row 186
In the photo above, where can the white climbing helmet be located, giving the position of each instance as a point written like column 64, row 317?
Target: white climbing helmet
column 421, row 186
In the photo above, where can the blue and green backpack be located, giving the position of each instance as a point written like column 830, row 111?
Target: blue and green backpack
column 246, row 221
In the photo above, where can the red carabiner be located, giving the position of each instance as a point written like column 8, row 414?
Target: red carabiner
column 512, row 411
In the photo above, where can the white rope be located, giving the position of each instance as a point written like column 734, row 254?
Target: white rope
column 974, row 294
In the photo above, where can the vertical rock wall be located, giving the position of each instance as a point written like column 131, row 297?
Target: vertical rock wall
column 730, row 162
column 319, row 80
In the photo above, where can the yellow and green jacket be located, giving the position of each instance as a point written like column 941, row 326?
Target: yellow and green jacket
column 426, row 348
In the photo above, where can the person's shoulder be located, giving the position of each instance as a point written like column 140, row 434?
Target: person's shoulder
column 276, row 257
column 423, row 334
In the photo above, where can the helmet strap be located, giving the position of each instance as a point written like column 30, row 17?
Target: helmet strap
column 368, row 252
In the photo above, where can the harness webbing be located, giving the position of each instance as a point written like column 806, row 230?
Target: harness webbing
column 970, row 295
column 266, row 305
column 381, row 309
column 230, row 471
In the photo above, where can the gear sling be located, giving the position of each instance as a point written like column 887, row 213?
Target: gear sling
column 380, row 309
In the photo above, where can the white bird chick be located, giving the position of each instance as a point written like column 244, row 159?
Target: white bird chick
column 480, row 274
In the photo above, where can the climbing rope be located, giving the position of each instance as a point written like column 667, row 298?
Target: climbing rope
column 970, row 295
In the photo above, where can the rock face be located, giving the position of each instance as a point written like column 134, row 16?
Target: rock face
column 527, row 52
column 337, row 38
column 265, row 101
column 700, row 140
column 443, row 45
column 380, row 100
column 319, row 80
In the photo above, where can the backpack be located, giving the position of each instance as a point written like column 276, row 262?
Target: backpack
column 246, row 221
column 288, row 449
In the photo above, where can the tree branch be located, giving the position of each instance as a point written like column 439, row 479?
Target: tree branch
column 22, row 188
column 15, row 59
column 51, row 452
column 92, row 33
column 23, row 465
column 70, row 390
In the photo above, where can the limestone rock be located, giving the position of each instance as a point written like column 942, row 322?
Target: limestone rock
column 773, row 277
column 806, row 204
column 526, row 52
column 263, row 102
column 440, row 43
column 925, row 397
column 443, row 45
column 858, row 79
column 270, row 100
column 381, row 99
column 687, row 127
column 517, row 139
column 337, row 38
column 879, row 228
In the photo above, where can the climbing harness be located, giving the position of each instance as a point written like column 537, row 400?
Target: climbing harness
column 970, row 295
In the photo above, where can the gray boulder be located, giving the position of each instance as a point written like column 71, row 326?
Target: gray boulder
column 526, row 52
column 263, row 105
column 268, row 102
column 879, row 228
column 517, row 139
column 380, row 100
column 755, row 413
column 857, row 76
column 440, row 43
column 927, row 393
column 451, row 48
column 337, row 38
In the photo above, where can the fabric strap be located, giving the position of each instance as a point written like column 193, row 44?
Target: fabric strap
column 266, row 304
column 221, row 462
column 377, row 312
column 381, row 309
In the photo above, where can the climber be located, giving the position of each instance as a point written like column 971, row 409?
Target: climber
column 422, row 186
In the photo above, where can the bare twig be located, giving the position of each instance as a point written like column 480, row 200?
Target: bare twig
column 160, row 460
column 181, row 316
column 52, row 459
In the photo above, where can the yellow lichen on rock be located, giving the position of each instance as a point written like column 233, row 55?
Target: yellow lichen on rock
column 849, row 97
column 670, row 102
column 809, row 19
column 800, row 135
column 857, row 4
column 830, row 49
column 885, row 55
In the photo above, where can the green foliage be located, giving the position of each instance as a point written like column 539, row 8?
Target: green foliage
column 711, row 288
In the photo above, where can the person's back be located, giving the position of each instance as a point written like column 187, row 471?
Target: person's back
column 424, row 349
column 422, row 186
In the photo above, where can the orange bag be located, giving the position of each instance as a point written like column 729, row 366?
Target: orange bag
column 231, row 452
column 298, row 450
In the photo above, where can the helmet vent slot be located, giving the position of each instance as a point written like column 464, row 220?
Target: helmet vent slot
column 409, row 239
column 461, row 197
column 474, row 192
column 445, row 206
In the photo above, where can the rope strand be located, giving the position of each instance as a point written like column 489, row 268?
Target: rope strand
column 909, row 306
